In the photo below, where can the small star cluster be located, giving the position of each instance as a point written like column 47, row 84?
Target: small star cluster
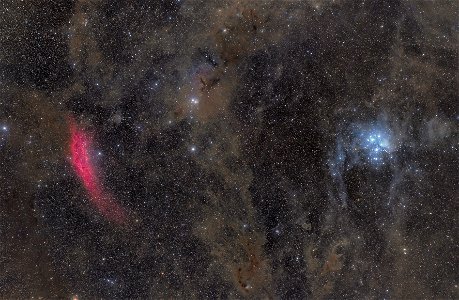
column 376, row 144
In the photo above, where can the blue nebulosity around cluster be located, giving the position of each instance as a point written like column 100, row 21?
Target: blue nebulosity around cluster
column 369, row 144
column 375, row 143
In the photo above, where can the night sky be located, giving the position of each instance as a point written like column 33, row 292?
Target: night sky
column 229, row 149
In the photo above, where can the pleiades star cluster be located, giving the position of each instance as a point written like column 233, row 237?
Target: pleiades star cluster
column 229, row 149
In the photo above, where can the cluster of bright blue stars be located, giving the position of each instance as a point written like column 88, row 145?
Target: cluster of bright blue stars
column 370, row 144
column 375, row 145
column 359, row 144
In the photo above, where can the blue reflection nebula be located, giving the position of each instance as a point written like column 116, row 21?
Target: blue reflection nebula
column 369, row 144
column 375, row 143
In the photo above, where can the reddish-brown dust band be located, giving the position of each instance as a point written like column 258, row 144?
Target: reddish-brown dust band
column 80, row 149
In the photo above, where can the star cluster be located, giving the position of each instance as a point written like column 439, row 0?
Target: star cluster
column 376, row 144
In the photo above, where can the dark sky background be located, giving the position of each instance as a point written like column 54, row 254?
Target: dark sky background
column 229, row 149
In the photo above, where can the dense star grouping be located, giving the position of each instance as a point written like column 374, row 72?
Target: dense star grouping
column 228, row 149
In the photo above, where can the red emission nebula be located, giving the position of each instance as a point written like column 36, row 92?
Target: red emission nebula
column 102, row 200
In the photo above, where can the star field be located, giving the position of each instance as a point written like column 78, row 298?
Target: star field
column 229, row 149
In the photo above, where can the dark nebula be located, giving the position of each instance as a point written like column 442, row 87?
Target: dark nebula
column 229, row 149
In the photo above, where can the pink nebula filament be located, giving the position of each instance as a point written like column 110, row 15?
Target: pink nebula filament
column 80, row 147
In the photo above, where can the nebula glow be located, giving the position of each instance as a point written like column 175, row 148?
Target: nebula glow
column 360, row 144
column 375, row 142
column 80, row 149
